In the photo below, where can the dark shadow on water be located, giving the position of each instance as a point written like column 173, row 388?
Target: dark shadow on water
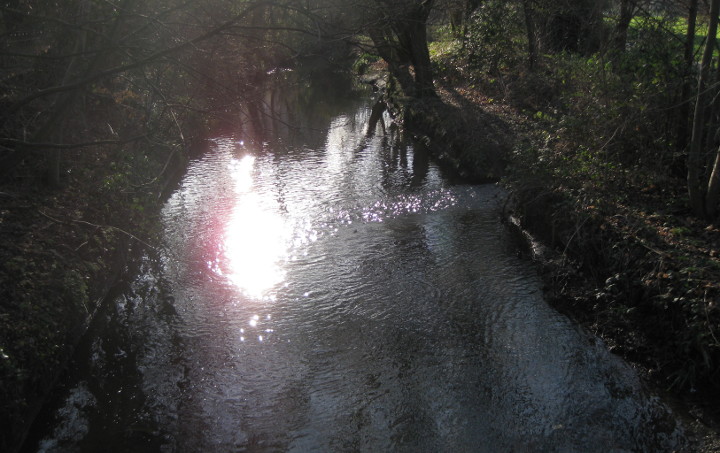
column 102, row 387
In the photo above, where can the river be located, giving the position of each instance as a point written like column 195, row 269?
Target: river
column 326, row 288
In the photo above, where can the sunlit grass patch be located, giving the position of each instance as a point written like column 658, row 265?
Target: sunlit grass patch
column 444, row 48
column 676, row 26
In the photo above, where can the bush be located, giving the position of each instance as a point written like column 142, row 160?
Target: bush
column 494, row 41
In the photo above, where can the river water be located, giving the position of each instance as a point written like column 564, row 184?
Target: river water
column 326, row 288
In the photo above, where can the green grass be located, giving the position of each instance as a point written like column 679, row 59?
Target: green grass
column 439, row 49
column 676, row 26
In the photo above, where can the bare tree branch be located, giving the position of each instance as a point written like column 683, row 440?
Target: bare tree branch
column 49, row 145
column 136, row 64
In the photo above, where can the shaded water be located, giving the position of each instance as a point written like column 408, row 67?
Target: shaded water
column 330, row 290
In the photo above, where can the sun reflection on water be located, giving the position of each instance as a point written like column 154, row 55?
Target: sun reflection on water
column 256, row 237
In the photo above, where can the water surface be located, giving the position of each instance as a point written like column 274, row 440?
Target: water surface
column 327, row 289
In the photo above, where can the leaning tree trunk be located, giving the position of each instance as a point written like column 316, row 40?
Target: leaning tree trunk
column 713, row 185
column 713, row 191
column 696, row 190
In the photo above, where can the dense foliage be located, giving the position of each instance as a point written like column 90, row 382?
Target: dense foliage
column 601, row 170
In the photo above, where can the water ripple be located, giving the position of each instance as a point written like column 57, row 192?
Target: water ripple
column 343, row 296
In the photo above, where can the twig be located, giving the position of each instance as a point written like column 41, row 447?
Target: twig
column 25, row 144
column 707, row 318
column 641, row 241
column 567, row 245
column 130, row 235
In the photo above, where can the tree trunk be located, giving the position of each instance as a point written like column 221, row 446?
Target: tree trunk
column 400, row 38
column 688, row 60
column 696, row 189
column 690, row 34
column 397, row 63
column 627, row 8
column 416, row 43
column 531, row 34
column 66, row 101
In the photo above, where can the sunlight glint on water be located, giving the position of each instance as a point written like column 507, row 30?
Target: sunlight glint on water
column 256, row 237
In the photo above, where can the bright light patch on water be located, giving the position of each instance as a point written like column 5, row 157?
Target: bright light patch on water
column 242, row 173
column 256, row 237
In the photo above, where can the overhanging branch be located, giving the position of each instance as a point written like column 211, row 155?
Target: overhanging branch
column 134, row 65
column 60, row 146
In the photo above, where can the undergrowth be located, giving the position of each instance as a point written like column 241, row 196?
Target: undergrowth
column 598, row 174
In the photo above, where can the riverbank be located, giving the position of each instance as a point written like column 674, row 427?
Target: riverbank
column 628, row 262
column 62, row 251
